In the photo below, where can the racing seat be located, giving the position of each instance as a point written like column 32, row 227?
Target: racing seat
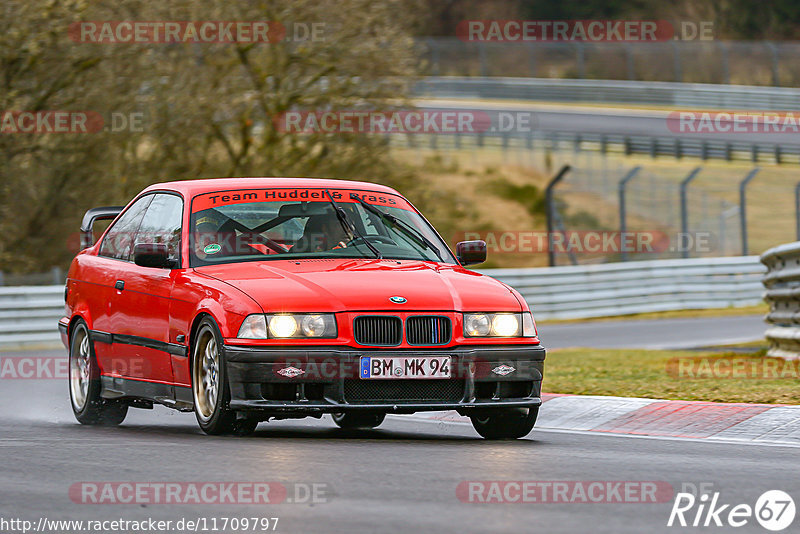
column 313, row 238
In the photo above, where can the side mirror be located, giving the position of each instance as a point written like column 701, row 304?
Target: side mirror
column 471, row 252
column 91, row 217
column 151, row 255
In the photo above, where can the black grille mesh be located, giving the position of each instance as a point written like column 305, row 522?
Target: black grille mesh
column 378, row 331
column 449, row 390
column 428, row 330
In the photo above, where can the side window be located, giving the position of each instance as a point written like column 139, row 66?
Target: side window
column 162, row 223
column 118, row 242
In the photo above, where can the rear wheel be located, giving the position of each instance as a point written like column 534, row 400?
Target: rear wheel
column 358, row 420
column 210, row 386
column 505, row 424
column 84, row 384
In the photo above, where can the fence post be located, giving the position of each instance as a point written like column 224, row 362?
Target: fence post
column 629, row 62
column 622, row 213
column 434, row 49
column 482, row 57
column 580, row 59
column 676, row 57
column 726, row 71
column 551, row 212
column 797, row 208
column 58, row 277
column 774, row 54
column 743, row 207
column 685, row 208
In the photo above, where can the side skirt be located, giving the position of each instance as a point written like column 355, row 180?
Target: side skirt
column 176, row 397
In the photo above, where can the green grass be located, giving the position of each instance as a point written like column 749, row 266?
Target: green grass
column 658, row 374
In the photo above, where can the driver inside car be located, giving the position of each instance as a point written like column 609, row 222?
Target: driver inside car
column 210, row 240
column 322, row 232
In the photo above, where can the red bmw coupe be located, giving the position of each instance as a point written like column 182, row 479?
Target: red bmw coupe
column 249, row 299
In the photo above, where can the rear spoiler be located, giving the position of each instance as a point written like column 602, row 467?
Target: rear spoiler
column 91, row 217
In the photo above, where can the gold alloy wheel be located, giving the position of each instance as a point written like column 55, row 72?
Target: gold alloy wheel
column 79, row 369
column 205, row 374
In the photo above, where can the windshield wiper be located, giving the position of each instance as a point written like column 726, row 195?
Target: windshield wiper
column 350, row 226
column 407, row 229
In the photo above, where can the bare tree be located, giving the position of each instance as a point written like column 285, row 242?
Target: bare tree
column 185, row 110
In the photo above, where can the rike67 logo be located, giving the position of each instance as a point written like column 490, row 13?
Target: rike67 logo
column 774, row 510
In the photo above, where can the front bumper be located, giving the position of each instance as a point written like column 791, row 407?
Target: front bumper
column 289, row 380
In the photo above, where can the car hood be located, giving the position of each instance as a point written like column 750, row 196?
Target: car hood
column 335, row 285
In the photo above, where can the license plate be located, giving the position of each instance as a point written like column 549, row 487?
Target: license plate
column 387, row 367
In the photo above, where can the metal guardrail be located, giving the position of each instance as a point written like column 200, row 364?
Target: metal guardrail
column 680, row 95
column 54, row 276
column 29, row 314
column 604, row 290
column 782, row 282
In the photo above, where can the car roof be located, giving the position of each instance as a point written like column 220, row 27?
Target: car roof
column 190, row 188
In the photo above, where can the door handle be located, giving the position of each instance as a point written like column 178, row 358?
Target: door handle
column 120, row 285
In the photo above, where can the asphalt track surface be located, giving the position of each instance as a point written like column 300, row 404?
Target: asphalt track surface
column 400, row 477
column 680, row 333
column 612, row 121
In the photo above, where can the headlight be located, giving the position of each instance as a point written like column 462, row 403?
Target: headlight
column 477, row 325
column 289, row 326
column 313, row 325
column 505, row 325
column 499, row 325
column 282, row 326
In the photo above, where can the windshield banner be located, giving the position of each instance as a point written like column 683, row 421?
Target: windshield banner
column 242, row 196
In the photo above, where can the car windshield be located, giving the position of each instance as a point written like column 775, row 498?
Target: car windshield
column 287, row 223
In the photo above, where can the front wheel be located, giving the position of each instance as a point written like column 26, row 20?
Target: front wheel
column 505, row 424
column 358, row 420
column 84, row 384
column 210, row 386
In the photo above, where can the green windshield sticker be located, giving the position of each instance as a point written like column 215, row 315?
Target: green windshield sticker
column 213, row 248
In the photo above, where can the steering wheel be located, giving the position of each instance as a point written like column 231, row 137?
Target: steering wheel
column 377, row 238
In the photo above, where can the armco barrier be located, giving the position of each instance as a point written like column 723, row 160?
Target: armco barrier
column 671, row 94
column 583, row 291
column 29, row 315
column 782, row 282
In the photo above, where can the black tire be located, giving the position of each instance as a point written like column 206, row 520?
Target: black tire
column 211, row 410
column 505, row 424
column 358, row 420
column 84, row 383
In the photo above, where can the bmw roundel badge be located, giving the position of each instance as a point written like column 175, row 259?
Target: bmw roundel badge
column 398, row 300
